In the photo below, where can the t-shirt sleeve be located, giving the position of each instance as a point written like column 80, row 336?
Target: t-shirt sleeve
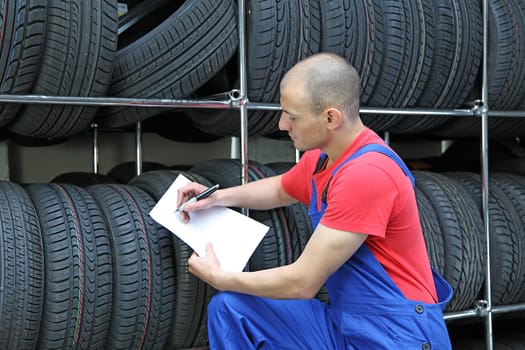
column 360, row 199
column 297, row 181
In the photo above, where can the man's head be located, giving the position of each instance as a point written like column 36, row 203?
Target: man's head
column 327, row 80
column 320, row 99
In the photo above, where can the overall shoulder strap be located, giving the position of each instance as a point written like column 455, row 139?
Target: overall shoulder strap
column 372, row 147
column 320, row 163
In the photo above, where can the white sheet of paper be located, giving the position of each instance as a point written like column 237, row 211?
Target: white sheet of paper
column 234, row 236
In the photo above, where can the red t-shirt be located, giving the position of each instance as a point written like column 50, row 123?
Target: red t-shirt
column 372, row 195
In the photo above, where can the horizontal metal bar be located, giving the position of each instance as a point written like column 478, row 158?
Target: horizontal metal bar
column 232, row 103
column 512, row 114
column 263, row 106
column 116, row 101
column 382, row 110
column 418, row 111
column 461, row 314
column 508, row 308
column 481, row 311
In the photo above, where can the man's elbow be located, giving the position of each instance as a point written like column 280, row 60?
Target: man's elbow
column 306, row 290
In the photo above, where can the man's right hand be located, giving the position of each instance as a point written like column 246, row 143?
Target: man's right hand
column 189, row 191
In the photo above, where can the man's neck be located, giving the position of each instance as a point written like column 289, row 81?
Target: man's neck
column 344, row 138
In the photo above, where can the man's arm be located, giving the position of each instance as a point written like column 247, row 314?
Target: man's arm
column 262, row 194
column 325, row 252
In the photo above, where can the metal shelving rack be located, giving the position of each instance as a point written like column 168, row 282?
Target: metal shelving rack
column 237, row 99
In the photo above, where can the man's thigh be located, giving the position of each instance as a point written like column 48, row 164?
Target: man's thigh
column 238, row 321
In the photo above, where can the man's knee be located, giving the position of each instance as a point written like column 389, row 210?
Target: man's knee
column 223, row 302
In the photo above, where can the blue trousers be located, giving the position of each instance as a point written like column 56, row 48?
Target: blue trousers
column 239, row 321
column 271, row 324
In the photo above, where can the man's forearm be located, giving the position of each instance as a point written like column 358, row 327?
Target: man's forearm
column 258, row 195
column 277, row 283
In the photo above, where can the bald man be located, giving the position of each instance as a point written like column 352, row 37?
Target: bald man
column 367, row 245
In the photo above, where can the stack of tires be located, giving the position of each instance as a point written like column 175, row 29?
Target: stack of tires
column 87, row 267
column 408, row 53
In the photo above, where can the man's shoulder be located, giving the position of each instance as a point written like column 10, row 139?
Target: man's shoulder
column 310, row 158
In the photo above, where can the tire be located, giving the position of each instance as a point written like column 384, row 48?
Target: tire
column 78, row 271
column 80, row 45
column 143, row 265
column 21, row 269
column 445, row 58
column 431, row 232
column 459, row 36
column 507, row 49
column 391, row 73
column 463, row 238
column 506, row 234
column 508, row 263
column 174, row 59
column 192, row 295
column 514, row 188
column 22, row 38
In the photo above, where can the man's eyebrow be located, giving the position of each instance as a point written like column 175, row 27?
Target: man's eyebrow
column 287, row 112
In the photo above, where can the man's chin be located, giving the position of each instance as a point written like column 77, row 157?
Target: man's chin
column 299, row 147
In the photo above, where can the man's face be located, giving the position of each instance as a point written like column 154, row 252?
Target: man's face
column 306, row 130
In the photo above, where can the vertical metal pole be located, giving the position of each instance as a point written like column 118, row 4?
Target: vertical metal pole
column 94, row 128
column 138, row 149
column 485, row 175
column 243, row 92
column 234, row 147
column 445, row 144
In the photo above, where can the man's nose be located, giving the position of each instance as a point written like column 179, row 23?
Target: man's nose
column 283, row 126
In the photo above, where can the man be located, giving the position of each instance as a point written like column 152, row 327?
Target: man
column 367, row 244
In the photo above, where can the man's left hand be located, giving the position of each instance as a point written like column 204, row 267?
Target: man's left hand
column 205, row 267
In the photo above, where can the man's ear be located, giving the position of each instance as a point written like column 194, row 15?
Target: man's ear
column 333, row 117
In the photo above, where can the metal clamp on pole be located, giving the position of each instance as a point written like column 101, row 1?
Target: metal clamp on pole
column 237, row 99
column 94, row 128
column 482, row 308
column 479, row 108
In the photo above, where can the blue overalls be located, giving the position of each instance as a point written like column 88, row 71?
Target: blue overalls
column 366, row 309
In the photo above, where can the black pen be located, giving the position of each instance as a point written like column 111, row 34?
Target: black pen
column 204, row 194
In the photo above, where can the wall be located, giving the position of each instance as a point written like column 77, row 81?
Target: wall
column 43, row 163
